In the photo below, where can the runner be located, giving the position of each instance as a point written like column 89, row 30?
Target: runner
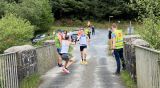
column 65, row 33
column 117, row 47
column 79, row 32
column 65, row 55
column 88, row 32
column 93, row 30
column 58, row 40
column 83, row 39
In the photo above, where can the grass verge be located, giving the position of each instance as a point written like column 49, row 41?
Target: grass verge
column 126, row 78
column 30, row 82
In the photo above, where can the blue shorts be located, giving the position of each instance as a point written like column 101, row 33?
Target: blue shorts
column 59, row 51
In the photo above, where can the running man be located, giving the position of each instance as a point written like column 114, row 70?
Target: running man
column 58, row 40
column 117, row 47
column 83, row 39
column 65, row 54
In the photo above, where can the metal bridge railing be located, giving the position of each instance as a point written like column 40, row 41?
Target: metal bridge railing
column 148, row 67
column 8, row 71
column 22, row 70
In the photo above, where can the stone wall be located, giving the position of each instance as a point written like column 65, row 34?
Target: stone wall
column 26, row 60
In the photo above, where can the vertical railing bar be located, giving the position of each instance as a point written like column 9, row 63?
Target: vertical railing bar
column 12, row 71
column 9, row 71
column 16, row 74
column 12, row 74
column 1, row 74
column 5, row 67
column 14, row 78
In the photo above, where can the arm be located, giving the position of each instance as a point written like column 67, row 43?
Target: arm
column 113, row 41
column 60, row 40
column 78, row 37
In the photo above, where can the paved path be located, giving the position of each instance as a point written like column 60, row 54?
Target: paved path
column 97, row 74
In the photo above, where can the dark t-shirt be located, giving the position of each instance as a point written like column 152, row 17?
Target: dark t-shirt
column 110, row 34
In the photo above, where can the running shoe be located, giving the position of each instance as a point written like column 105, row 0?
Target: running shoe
column 65, row 70
column 60, row 65
column 82, row 62
column 85, row 62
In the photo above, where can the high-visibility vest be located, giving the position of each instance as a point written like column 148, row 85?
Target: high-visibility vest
column 87, row 31
column 119, row 39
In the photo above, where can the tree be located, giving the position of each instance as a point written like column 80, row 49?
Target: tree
column 14, row 31
column 91, row 8
column 38, row 12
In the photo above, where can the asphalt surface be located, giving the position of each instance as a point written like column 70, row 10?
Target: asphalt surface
column 97, row 74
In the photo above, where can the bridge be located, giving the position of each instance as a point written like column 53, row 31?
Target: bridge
column 98, row 73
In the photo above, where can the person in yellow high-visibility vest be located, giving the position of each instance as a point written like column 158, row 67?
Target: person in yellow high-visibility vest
column 88, row 32
column 117, row 47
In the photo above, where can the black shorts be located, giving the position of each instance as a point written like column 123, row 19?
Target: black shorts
column 82, row 48
column 65, row 56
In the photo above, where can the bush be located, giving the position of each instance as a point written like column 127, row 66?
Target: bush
column 150, row 31
column 14, row 31
column 38, row 12
column 2, row 5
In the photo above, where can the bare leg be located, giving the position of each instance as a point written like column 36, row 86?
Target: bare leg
column 59, row 59
column 66, row 63
column 70, row 62
column 82, row 55
column 85, row 54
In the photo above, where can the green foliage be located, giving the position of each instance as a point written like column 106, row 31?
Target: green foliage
column 149, row 12
column 92, row 9
column 146, row 8
column 2, row 5
column 150, row 31
column 14, row 31
column 30, row 82
column 128, row 80
column 38, row 12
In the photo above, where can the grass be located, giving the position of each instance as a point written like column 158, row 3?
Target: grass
column 30, row 82
column 98, row 25
column 126, row 78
